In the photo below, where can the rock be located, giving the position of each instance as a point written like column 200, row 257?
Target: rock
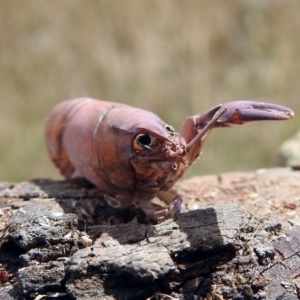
column 289, row 152
column 59, row 238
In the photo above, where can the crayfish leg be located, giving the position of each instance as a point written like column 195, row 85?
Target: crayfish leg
column 166, row 213
column 167, row 196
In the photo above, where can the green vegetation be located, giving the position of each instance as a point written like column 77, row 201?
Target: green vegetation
column 176, row 58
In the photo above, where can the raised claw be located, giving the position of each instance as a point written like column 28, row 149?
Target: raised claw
column 241, row 112
column 244, row 111
column 231, row 114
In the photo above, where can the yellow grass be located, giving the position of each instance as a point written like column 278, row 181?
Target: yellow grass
column 176, row 58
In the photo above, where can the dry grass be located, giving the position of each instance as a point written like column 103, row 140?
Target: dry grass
column 176, row 58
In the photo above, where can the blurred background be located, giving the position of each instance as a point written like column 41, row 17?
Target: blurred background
column 175, row 58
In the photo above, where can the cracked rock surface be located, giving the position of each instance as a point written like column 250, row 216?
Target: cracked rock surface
column 238, row 238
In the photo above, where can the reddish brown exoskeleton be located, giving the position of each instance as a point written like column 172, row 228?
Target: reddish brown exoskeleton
column 3, row 276
column 131, row 154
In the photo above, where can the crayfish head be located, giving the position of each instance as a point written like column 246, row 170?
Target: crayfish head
column 156, row 160
column 157, row 147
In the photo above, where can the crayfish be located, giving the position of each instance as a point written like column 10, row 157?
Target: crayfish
column 131, row 154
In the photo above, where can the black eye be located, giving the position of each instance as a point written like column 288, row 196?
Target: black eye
column 143, row 141
column 170, row 129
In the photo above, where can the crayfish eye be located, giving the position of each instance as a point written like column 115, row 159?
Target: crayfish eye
column 142, row 141
column 170, row 129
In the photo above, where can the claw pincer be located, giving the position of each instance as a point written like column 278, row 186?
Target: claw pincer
column 241, row 112
column 131, row 154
